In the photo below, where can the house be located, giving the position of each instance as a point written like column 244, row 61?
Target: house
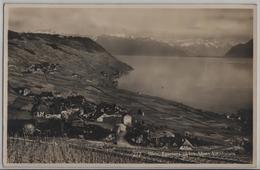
column 186, row 146
column 29, row 129
column 74, row 75
column 156, row 139
column 174, row 144
column 101, row 118
column 127, row 119
column 107, row 118
column 169, row 134
column 41, row 110
column 139, row 139
column 24, row 91
column 53, row 116
column 163, row 138
column 39, row 114
column 233, row 116
column 188, row 134
column 66, row 114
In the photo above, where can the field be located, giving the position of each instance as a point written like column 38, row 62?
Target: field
column 61, row 150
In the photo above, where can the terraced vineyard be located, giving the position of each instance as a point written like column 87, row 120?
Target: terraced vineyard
column 60, row 150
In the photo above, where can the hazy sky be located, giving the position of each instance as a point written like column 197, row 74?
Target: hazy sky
column 160, row 23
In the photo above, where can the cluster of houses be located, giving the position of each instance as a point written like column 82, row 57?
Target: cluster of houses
column 76, row 107
column 44, row 67
column 75, row 113
column 233, row 116
column 149, row 135
column 23, row 91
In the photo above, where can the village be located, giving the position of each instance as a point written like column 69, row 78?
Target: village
column 75, row 117
column 110, row 130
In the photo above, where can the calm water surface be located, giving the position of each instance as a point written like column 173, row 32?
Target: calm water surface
column 215, row 84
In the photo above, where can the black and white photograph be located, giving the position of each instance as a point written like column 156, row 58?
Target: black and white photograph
column 129, row 84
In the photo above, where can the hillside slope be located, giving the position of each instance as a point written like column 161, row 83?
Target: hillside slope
column 241, row 50
column 60, row 64
column 77, row 59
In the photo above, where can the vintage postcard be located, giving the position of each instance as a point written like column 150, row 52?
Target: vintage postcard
column 126, row 86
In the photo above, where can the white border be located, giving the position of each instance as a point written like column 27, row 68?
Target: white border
column 199, row 2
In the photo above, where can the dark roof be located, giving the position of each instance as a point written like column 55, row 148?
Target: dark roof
column 187, row 143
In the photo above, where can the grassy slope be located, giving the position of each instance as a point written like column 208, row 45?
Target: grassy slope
column 86, row 58
column 75, row 55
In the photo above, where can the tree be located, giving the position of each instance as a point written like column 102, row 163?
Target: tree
column 246, row 119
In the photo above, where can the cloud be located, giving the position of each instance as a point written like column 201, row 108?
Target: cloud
column 156, row 22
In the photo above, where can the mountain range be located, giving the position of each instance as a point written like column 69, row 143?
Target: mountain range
column 130, row 45
column 137, row 46
column 242, row 50
column 204, row 47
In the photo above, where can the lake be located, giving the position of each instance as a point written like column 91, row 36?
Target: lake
column 215, row 84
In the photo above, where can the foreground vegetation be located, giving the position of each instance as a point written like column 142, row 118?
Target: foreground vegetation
column 61, row 150
column 58, row 151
